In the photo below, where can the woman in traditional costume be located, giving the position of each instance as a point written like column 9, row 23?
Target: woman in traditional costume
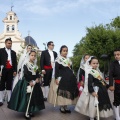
column 63, row 88
column 81, row 73
column 21, row 62
column 27, row 95
column 89, row 99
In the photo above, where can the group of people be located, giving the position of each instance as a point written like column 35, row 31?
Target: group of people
column 88, row 91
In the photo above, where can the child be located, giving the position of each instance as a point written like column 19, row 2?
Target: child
column 114, row 74
column 20, row 63
column 81, row 73
column 86, row 103
column 21, row 95
column 67, row 92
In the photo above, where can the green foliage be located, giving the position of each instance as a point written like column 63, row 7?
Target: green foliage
column 116, row 22
column 20, row 53
column 101, row 39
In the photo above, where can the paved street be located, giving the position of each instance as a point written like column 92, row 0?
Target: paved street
column 50, row 113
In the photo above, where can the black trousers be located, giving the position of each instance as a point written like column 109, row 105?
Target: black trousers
column 6, row 79
column 117, row 95
column 48, row 77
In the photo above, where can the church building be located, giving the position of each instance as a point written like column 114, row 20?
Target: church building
column 11, row 30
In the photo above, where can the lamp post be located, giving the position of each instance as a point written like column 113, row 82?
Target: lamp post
column 104, row 57
column 45, row 45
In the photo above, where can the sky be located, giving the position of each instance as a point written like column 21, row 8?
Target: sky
column 62, row 21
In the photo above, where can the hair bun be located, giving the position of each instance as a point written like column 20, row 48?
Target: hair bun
column 32, row 51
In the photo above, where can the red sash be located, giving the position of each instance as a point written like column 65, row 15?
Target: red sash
column 47, row 67
column 117, row 81
column 8, row 65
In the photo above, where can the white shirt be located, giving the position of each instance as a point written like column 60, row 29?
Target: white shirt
column 52, row 57
column 119, row 62
column 9, row 55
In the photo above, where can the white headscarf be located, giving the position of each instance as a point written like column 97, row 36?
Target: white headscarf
column 24, row 63
column 22, row 58
column 64, row 62
column 82, row 66
column 88, row 68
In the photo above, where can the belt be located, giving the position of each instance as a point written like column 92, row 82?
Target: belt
column 8, row 65
column 117, row 81
column 47, row 67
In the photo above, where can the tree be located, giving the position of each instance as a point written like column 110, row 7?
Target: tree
column 116, row 22
column 101, row 39
column 78, row 53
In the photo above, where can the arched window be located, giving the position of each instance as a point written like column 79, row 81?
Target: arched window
column 13, row 27
column 8, row 28
column 10, row 17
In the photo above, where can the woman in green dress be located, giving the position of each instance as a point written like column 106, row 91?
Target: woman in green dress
column 22, row 91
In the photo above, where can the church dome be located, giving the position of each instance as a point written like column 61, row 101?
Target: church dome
column 31, row 41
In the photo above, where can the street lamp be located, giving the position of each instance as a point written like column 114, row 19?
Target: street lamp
column 45, row 45
column 104, row 57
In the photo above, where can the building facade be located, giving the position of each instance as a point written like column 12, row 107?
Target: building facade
column 11, row 30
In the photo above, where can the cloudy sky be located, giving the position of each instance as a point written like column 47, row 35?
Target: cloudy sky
column 62, row 21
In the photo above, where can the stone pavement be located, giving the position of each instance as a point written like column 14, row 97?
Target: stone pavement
column 50, row 113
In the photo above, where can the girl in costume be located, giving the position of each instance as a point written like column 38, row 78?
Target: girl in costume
column 21, row 62
column 86, row 104
column 81, row 73
column 22, row 91
column 63, row 88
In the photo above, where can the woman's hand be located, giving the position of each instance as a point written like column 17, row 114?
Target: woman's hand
column 94, row 94
column 57, row 82
column 14, row 74
column 82, row 83
column 37, row 80
column 111, row 88
column 43, row 72
column 31, row 83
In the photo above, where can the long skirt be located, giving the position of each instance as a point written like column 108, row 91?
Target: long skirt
column 19, row 98
column 85, row 106
column 58, row 100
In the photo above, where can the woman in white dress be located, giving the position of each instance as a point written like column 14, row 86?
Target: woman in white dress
column 87, row 102
column 21, row 62
column 81, row 73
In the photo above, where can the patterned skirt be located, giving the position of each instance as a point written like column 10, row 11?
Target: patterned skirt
column 55, row 97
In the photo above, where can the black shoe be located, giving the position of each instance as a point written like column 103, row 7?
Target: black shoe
column 31, row 115
column 62, row 111
column 28, row 117
column 94, row 119
column 67, row 111
column 1, row 103
column 45, row 99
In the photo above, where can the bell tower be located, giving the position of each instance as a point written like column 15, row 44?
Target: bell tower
column 10, row 23
column 11, row 30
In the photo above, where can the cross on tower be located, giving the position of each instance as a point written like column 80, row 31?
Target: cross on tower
column 11, row 5
column 29, row 36
column 28, row 33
